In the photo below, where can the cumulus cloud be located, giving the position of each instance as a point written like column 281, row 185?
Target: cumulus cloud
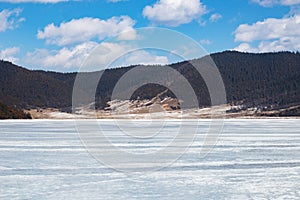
column 67, row 58
column 269, row 3
column 272, row 34
column 117, row 55
column 9, row 54
column 143, row 57
column 245, row 47
column 33, row 1
column 282, row 44
column 215, row 17
column 270, row 28
column 174, row 12
column 10, row 19
column 85, row 29
column 94, row 56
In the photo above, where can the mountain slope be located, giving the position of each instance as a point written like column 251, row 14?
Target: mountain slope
column 269, row 80
column 25, row 88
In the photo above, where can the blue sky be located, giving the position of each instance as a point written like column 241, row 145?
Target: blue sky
column 59, row 34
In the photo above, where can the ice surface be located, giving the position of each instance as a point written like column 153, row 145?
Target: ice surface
column 253, row 159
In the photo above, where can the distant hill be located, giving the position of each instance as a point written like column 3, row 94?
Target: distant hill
column 7, row 112
column 268, row 80
column 30, row 89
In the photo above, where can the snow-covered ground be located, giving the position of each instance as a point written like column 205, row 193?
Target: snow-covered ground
column 252, row 159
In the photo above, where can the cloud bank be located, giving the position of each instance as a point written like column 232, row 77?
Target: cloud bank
column 272, row 34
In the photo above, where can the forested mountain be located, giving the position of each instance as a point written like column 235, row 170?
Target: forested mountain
column 25, row 88
column 269, row 79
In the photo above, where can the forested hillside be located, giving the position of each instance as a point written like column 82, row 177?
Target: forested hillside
column 25, row 89
column 266, row 80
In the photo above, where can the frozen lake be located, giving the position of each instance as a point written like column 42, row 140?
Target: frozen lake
column 252, row 159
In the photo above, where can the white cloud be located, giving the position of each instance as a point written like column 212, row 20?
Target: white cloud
column 33, row 1
column 245, row 47
column 85, row 29
column 9, row 54
column 117, row 55
column 174, row 12
column 128, row 34
column 68, row 58
column 272, row 34
column 282, row 44
column 215, row 17
column 10, row 19
column 269, row 3
column 103, row 55
column 270, row 28
column 143, row 57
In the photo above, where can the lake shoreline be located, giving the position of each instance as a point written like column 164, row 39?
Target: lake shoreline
column 221, row 112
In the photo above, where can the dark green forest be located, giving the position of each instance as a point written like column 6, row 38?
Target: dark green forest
column 269, row 80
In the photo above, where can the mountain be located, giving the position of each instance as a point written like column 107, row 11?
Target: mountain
column 267, row 81
column 24, row 88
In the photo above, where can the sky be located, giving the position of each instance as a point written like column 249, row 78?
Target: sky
column 58, row 35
